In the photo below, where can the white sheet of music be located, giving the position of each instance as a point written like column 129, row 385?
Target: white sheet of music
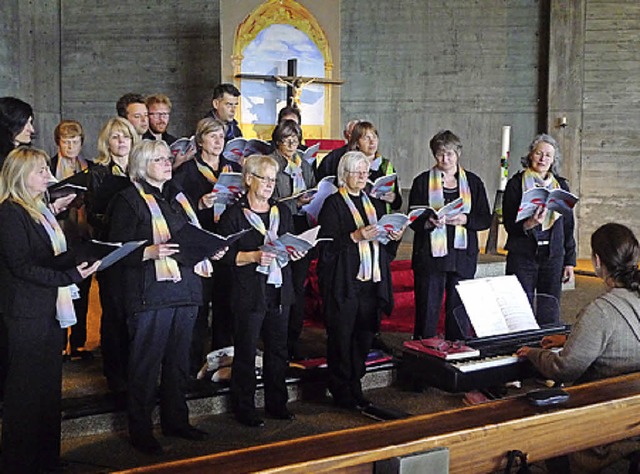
column 497, row 305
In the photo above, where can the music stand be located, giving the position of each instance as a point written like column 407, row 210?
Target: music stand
column 546, row 309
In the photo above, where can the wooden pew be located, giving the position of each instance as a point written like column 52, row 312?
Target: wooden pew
column 477, row 437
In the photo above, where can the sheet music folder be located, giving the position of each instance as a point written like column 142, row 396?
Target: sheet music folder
column 109, row 252
column 196, row 243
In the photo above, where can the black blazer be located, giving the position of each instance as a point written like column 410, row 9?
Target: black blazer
column 248, row 287
column 340, row 260
column 130, row 219
column 561, row 241
column 195, row 185
column 464, row 261
column 30, row 274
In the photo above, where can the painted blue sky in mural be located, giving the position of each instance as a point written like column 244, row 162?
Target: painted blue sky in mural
column 268, row 55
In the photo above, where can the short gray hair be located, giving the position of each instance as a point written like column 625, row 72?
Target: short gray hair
column 140, row 155
column 557, row 155
column 348, row 162
column 255, row 165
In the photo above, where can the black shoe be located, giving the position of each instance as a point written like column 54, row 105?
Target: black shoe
column 362, row 403
column 250, row 419
column 282, row 414
column 80, row 354
column 147, row 445
column 189, row 432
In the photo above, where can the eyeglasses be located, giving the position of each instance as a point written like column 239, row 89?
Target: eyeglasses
column 291, row 142
column 162, row 159
column 265, row 179
column 358, row 173
column 159, row 114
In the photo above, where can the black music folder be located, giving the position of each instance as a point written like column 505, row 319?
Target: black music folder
column 75, row 184
column 109, row 252
column 197, row 244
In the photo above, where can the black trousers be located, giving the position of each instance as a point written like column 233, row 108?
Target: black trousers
column 216, row 293
column 272, row 326
column 160, row 342
column 429, row 289
column 351, row 327
column 114, row 336
column 299, row 271
column 33, row 392
column 539, row 275
column 221, row 313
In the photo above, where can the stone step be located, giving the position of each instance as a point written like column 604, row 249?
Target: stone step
column 99, row 414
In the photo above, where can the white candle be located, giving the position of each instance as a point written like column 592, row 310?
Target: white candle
column 504, row 158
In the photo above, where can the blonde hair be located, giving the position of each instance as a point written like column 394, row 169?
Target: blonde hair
column 140, row 156
column 20, row 162
column 115, row 124
column 255, row 165
column 158, row 99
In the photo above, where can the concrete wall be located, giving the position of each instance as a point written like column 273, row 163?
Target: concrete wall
column 111, row 48
column 30, row 59
column 417, row 67
column 610, row 165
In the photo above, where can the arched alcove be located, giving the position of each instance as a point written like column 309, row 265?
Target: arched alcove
column 275, row 31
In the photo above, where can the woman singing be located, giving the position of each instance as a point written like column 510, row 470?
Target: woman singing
column 355, row 276
column 445, row 250
column 261, row 295
column 542, row 249
column 294, row 176
column 38, row 278
column 161, row 296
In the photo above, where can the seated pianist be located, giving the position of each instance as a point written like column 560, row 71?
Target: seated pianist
column 605, row 340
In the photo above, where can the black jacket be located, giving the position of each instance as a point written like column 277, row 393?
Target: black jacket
column 463, row 261
column 340, row 260
column 30, row 274
column 561, row 241
column 195, row 185
column 130, row 219
column 103, row 186
column 167, row 137
column 248, row 287
column 329, row 164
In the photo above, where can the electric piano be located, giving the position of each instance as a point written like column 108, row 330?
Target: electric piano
column 496, row 365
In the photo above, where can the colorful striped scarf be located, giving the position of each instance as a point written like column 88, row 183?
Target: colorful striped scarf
column 203, row 268
column 274, row 269
column 116, row 170
column 369, row 266
column 65, row 312
column 206, row 171
column 530, row 180
column 439, row 244
column 166, row 268
column 294, row 169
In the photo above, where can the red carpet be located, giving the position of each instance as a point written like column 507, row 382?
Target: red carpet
column 401, row 320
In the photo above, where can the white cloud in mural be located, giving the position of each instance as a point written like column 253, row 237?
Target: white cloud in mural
column 268, row 55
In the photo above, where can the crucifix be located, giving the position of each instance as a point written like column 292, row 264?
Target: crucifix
column 295, row 84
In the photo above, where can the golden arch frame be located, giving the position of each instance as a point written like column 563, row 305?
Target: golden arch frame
column 288, row 12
